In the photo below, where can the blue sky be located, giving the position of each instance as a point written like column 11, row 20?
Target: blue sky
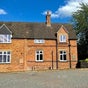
column 35, row 11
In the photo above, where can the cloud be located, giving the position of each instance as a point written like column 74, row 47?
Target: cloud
column 67, row 10
column 2, row 12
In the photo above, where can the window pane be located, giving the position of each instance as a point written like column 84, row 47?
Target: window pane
column 60, row 38
column 39, row 41
column 61, row 57
column 60, row 52
column 64, row 57
column 41, row 57
column 0, row 52
column 8, row 58
column 40, row 51
column 64, row 38
column 8, row 52
column 1, row 38
column 37, row 57
column 5, row 38
column 4, row 58
column 4, row 52
column 9, row 38
column 0, row 58
column 37, row 52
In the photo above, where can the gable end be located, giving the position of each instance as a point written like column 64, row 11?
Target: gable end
column 62, row 27
column 5, row 30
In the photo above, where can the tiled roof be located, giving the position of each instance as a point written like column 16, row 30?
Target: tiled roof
column 36, row 30
column 4, row 29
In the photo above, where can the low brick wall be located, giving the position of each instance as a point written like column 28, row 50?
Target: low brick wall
column 83, row 64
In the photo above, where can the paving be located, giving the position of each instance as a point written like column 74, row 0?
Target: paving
column 77, row 78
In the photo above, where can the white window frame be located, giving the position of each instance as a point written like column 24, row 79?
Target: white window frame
column 5, row 38
column 39, row 41
column 7, row 55
column 62, row 54
column 62, row 38
column 36, row 53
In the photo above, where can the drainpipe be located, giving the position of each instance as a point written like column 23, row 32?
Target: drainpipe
column 52, row 60
column 69, row 55
column 57, row 53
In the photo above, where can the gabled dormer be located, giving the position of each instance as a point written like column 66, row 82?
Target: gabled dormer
column 62, row 35
column 5, row 34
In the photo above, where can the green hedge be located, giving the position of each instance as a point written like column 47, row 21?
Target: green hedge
column 86, row 60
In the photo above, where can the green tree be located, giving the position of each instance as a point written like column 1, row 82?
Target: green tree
column 80, row 24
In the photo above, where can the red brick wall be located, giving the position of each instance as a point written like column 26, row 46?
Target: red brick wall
column 72, row 49
column 47, row 48
column 17, row 55
column 23, row 55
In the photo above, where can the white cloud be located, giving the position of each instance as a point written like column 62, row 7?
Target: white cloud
column 67, row 10
column 2, row 12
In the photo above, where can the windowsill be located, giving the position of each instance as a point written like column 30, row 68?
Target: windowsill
column 40, row 61
column 63, row 60
column 63, row 42
column 38, row 43
column 5, row 42
column 5, row 63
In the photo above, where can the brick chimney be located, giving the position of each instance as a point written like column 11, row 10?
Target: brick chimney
column 48, row 22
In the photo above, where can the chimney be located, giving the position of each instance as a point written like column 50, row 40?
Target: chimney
column 48, row 23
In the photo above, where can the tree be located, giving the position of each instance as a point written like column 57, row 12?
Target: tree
column 80, row 24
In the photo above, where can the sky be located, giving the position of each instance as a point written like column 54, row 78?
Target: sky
column 35, row 11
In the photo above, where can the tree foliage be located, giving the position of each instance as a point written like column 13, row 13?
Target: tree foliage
column 80, row 23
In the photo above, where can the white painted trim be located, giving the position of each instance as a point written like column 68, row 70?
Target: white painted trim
column 39, row 41
column 6, row 54
column 60, row 38
column 7, row 39
column 6, row 27
column 60, row 54
column 36, row 56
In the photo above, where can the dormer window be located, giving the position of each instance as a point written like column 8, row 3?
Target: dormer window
column 62, row 38
column 39, row 41
column 5, row 34
column 5, row 38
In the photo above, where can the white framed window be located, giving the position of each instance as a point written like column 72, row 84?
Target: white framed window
column 5, row 56
column 63, row 56
column 39, row 55
column 39, row 41
column 62, row 38
column 5, row 38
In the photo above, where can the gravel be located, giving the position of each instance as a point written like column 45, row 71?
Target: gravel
column 77, row 78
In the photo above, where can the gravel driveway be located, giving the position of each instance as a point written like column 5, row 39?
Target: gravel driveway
column 45, row 79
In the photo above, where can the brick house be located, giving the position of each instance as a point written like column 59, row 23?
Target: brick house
column 37, row 46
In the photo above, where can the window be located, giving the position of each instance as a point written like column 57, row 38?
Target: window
column 39, row 41
column 63, row 56
column 5, row 56
column 5, row 38
column 39, row 55
column 62, row 38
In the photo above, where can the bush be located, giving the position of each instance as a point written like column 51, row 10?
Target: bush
column 86, row 60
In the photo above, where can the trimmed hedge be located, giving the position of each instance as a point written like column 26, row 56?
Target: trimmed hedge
column 82, row 63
